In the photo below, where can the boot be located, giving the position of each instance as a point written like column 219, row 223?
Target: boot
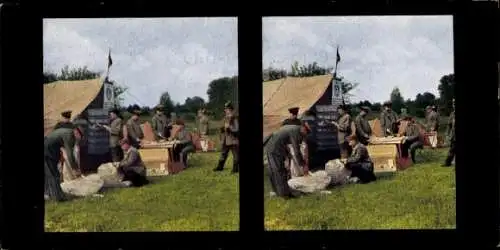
column 413, row 158
column 219, row 167
column 236, row 168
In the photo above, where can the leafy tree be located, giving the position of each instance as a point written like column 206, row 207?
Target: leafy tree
column 220, row 91
column 193, row 104
column 397, row 100
column 446, row 90
column 167, row 102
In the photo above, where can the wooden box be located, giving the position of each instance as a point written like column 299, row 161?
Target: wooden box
column 384, row 157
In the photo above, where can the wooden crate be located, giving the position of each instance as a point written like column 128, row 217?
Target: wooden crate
column 384, row 157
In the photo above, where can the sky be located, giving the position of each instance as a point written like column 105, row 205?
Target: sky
column 380, row 53
column 150, row 56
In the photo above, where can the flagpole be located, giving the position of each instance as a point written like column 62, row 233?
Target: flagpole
column 109, row 66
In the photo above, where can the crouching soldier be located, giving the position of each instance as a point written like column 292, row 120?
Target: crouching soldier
column 359, row 162
column 132, row 168
column 412, row 139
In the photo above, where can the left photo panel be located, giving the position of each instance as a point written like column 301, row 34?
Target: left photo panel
column 141, row 124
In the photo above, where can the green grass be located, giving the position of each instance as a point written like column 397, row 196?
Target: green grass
column 196, row 199
column 422, row 196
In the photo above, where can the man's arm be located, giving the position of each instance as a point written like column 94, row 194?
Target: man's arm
column 115, row 127
column 296, row 139
column 69, row 142
column 359, row 128
column 412, row 133
column 344, row 124
column 355, row 157
column 234, row 127
column 129, row 160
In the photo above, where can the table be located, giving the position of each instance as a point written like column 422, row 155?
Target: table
column 161, row 152
column 386, row 154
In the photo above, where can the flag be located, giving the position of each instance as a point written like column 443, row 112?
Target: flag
column 338, row 55
column 110, row 61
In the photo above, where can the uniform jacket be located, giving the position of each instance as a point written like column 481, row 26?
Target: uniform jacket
column 159, row 123
column 363, row 129
column 344, row 127
column 277, row 143
column 229, row 136
column 134, row 130
column 387, row 120
column 116, row 132
column 132, row 161
column 61, row 138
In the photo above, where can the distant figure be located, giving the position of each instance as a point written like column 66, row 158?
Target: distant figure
column 134, row 130
column 65, row 120
column 203, row 122
column 160, row 123
column 229, row 139
column 185, row 145
column 132, row 167
column 343, row 125
column 363, row 129
column 276, row 151
column 432, row 124
column 388, row 120
column 66, row 139
column 451, row 135
column 292, row 120
column 404, row 112
column 412, row 139
column 359, row 163
column 115, row 134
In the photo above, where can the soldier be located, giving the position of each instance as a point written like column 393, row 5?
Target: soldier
column 432, row 125
column 363, row 129
column 132, row 168
column 451, row 135
column 359, row 162
column 293, row 120
column 160, row 123
column 185, row 145
column 115, row 134
column 229, row 139
column 276, row 151
column 388, row 120
column 65, row 120
column 134, row 130
column 203, row 122
column 64, row 138
column 412, row 139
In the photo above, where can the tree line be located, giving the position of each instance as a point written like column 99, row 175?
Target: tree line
column 415, row 107
column 219, row 92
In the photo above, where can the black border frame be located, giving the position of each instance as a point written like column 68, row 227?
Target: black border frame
column 475, row 50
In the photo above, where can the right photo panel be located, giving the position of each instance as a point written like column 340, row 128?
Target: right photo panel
column 359, row 127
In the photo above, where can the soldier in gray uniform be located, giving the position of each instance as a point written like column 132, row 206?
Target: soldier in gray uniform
column 293, row 120
column 160, row 123
column 185, row 145
column 344, row 129
column 134, row 130
column 65, row 138
column 359, row 162
column 412, row 139
column 115, row 130
column 363, row 129
column 432, row 123
column 388, row 120
column 65, row 120
column 276, row 151
column 132, row 168
column 451, row 136
column 203, row 122
column 229, row 139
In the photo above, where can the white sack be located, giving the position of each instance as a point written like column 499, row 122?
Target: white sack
column 337, row 172
column 295, row 169
column 109, row 175
column 83, row 186
column 315, row 182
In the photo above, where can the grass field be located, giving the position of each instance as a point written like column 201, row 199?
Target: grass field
column 196, row 199
column 422, row 196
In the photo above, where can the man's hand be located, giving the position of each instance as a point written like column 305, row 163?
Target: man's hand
column 336, row 124
column 306, row 171
column 77, row 173
column 226, row 125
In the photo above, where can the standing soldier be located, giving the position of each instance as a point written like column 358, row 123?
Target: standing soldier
column 160, row 123
column 115, row 134
column 344, row 129
column 293, row 120
column 134, row 130
column 66, row 139
column 432, row 125
column 229, row 139
column 203, row 122
column 388, row 120
column 363, row 129
column 451, row 136
column 65, row 120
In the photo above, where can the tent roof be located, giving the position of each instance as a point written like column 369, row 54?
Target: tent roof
column 67, row 95
column 280, row 95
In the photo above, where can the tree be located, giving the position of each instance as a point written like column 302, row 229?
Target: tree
column 220, row 91
column 397, row 100
column 422, row 101
column 271, row 74
column 167, row 102
column 346, row 88
column 446, row 90
column 193, row 104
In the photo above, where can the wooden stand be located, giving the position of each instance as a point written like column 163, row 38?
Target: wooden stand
column 160, row 157
column 386, row 154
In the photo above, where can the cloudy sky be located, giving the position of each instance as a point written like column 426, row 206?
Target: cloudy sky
column 150, row 56
column 380, row 53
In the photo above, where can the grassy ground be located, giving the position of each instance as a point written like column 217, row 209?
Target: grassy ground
column 422, row 196
column 196, row 199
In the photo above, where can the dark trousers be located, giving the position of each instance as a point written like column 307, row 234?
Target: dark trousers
column 181, row 152
column 225, row 153
column 137, row 179
column 412, row 147
column 451, row 154
column 278, row 174
column 53, row 179
column 116, row 153
column 364, row 171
